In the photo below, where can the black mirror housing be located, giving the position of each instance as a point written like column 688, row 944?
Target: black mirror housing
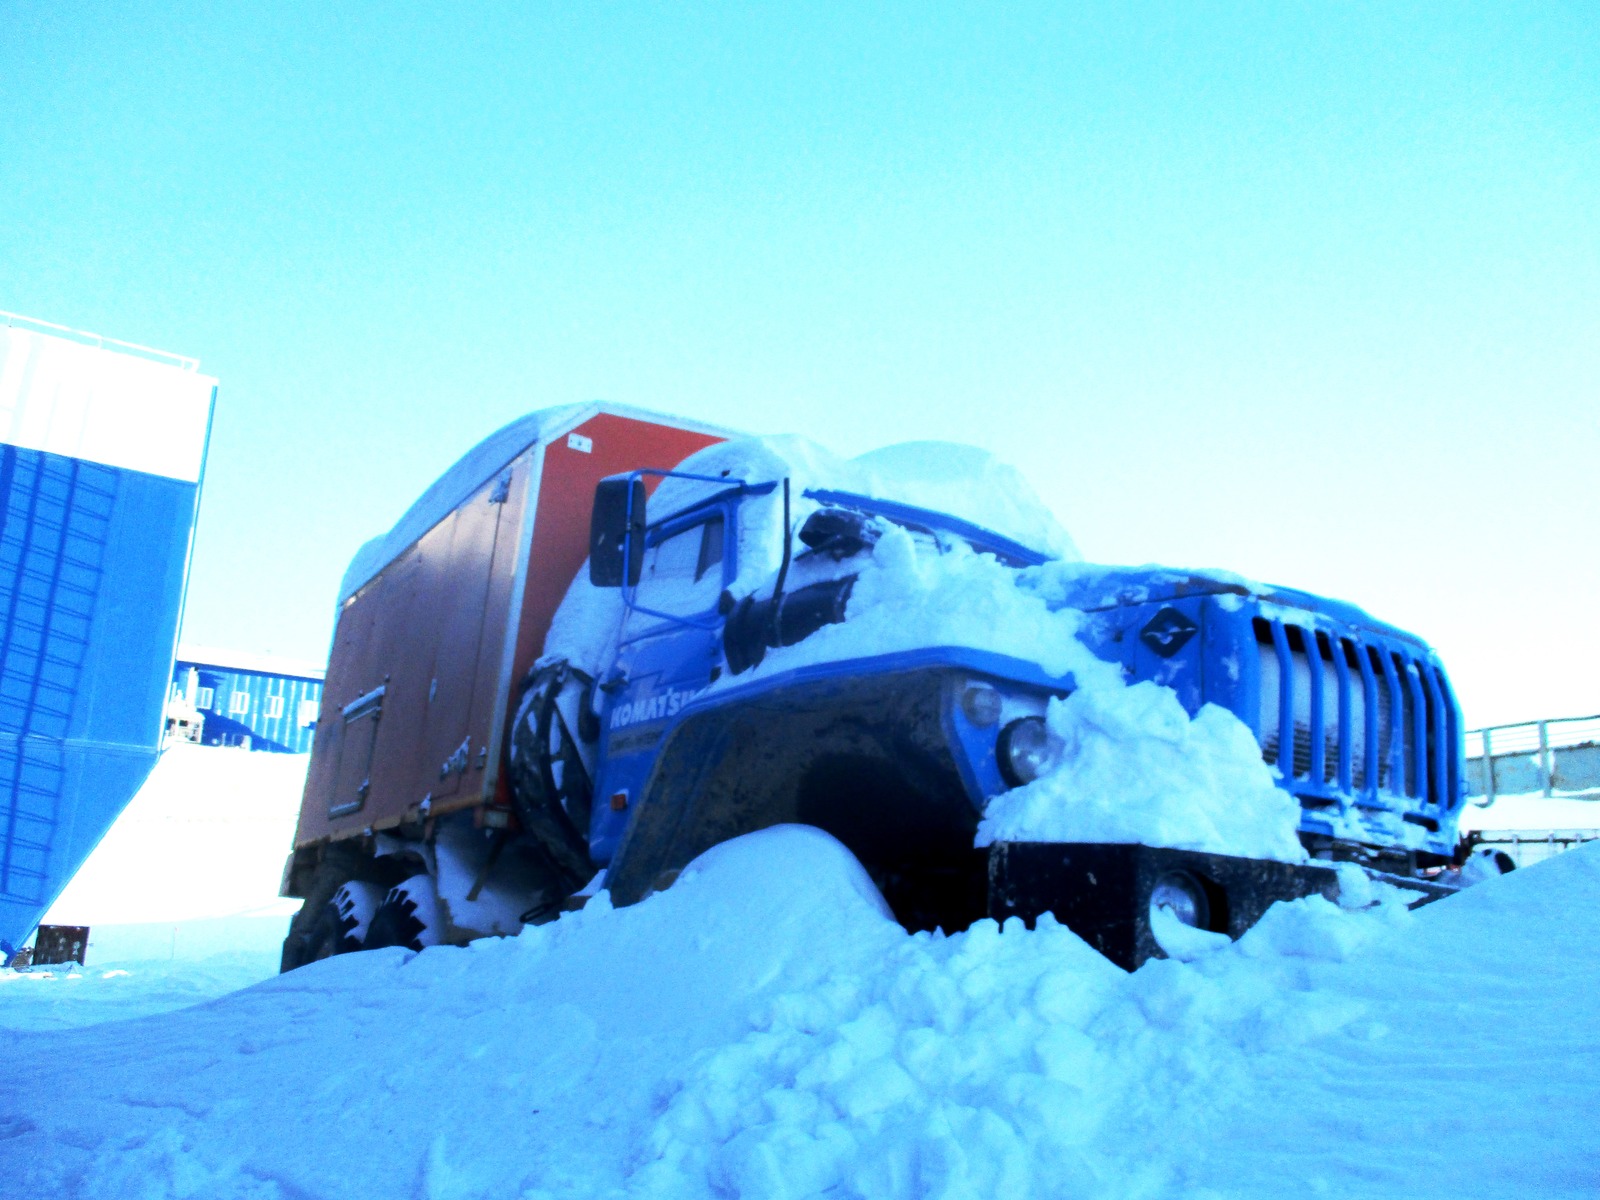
column 616, row 532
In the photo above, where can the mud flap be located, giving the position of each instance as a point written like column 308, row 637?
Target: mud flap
column 1102, row 892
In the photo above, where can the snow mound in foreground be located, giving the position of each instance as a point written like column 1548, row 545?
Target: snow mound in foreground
column 762, row 1029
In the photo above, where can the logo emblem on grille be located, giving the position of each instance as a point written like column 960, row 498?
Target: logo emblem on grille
column 1168, row 632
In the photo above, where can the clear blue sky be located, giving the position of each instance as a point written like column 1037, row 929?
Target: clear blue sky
column 1310, row 292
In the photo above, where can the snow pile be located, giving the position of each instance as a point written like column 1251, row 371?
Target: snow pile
column 997, row 1063
column 906, row 598
column 966, row 482
column 763, row 1029
column 1135, row 768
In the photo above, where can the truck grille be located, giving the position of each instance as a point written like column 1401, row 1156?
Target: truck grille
column 1358, row 713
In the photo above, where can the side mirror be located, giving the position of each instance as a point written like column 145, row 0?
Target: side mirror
column 616, row 532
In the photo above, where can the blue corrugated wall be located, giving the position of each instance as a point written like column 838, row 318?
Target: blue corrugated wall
column 92, row 562
column 274, row 712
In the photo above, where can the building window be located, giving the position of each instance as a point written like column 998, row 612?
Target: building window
column 205, row 697
column 239, row 704
column 308, row 712
column 274, row 707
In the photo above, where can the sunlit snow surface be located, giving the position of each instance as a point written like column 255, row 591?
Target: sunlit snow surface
column 180, row 896
column 763, row 1029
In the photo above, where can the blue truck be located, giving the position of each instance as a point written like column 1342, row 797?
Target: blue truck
column 685, row 725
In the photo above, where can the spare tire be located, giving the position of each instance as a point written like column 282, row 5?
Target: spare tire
column 551, row 751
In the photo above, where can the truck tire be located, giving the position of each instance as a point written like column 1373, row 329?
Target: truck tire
column 551, row 789
column 320, row 929
column 409, row 916
column 325, row 936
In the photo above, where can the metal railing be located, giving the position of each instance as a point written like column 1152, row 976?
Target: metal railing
column 19, row 321
column 1556, row 759
column 1529, row 846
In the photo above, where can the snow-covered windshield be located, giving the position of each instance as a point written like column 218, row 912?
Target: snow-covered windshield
column 962, row 483
column 681, row 575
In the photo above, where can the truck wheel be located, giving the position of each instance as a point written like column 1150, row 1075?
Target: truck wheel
column 324, row 937
column 409, row 916
column 340, row 901
column 342, row 927
column 551, row 788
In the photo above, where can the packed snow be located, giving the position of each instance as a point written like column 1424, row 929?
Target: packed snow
column 764, row 1029
column 1135, row 768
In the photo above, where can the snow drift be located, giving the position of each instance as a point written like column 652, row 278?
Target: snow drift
column 764, row 1029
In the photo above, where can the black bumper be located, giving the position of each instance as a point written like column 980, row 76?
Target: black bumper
column 1102, row 892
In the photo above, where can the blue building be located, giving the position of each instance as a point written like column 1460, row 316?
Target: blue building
column 257, row 701
column 102, row 449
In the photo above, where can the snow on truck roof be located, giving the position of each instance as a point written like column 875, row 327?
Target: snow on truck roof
column 475, row 468
column 942, row 477
column 948, row 477
column 470, row 472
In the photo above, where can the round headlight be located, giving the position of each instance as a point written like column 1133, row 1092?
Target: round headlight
column 1027, row 750
column 1181, row 895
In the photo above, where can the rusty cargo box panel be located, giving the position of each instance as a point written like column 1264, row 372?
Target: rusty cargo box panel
column 428, row 650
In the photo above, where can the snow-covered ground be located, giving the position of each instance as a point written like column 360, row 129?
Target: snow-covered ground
column 181, row 896
column 763, row 1029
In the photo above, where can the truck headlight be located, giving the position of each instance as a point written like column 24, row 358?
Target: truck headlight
column 1181, row 894
column 1027, row 750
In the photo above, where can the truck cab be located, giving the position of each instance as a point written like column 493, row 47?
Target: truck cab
column 898, row 754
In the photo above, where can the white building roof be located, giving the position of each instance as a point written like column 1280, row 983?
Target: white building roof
column 83, row 396
column 246, row 660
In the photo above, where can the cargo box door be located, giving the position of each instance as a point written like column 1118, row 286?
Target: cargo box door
column 455, row 731
column 358, row 734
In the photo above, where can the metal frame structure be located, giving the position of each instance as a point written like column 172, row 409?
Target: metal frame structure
column 1559, row 758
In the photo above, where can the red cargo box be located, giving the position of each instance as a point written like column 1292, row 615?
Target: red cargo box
column 440, row 619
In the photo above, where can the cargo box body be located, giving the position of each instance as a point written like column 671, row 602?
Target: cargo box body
column 441, row 619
